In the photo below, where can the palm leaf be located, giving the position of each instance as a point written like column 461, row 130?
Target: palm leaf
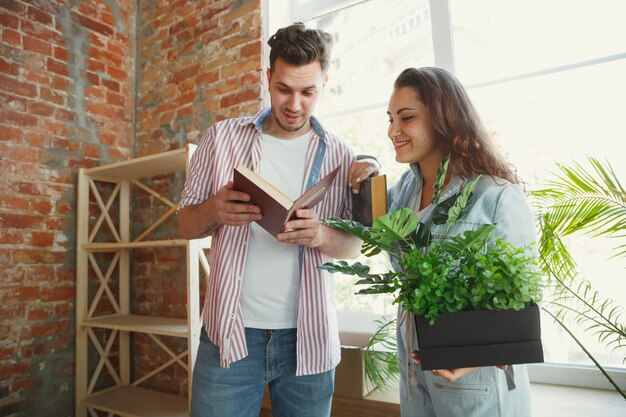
column 582, row 200
column 381, row 363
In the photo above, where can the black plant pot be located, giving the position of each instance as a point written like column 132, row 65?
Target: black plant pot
column 480, row 338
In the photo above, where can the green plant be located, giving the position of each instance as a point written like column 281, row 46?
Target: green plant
column 469, row 271
column 473, row 270
column 593, row 202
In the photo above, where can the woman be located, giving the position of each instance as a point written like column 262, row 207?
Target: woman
column 430, row 116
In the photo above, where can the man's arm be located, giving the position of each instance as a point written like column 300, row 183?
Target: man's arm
column 227, row 206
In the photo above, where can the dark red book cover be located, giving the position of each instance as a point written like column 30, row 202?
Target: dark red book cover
column 276, row 208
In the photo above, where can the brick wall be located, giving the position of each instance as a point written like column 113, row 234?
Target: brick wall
column 71, row 81
column 67, row 100
column 198, row 62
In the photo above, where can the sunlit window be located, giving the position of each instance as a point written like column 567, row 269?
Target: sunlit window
column 548, row 78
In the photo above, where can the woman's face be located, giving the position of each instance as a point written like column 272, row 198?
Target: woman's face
column 411, row 130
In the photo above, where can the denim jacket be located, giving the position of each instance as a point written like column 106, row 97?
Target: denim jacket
column 494, row 201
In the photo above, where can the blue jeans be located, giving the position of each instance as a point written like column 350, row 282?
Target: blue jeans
column 238, row 391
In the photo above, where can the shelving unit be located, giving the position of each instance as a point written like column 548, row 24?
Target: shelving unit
column 116, row 391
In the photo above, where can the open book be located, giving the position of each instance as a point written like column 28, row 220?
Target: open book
column 276, row 208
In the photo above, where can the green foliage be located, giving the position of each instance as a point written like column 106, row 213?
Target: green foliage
column 470, row 271
column 579, row 200
column 381, row 363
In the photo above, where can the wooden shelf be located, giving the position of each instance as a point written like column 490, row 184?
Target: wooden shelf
column 99, row 231
column 141, row 324
column 115, row 246
column 143, row 167
column 138, row 402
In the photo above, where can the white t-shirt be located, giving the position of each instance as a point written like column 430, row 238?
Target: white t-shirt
column 271, row 281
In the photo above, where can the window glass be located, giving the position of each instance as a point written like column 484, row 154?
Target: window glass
column 563, row 117
column 495, row 39
column 547, row 78
column 374, row 41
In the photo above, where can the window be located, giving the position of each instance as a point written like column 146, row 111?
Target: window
column 547, row 78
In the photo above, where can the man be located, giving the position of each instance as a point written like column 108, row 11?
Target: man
column 269, row 314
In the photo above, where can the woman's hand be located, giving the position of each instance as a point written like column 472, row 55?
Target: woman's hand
column 450, row 375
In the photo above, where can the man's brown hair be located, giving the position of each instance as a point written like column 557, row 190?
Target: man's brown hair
column 297, row 45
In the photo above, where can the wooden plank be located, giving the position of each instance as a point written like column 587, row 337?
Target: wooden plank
column 131, row 401
column 142, row 167
column 164, row 326
column 115, row 246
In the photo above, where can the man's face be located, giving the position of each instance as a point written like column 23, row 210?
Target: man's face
column 294, row 91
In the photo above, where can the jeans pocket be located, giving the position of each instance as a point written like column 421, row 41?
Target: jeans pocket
column 456, row 388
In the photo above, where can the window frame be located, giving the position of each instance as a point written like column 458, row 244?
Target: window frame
column 284, row 12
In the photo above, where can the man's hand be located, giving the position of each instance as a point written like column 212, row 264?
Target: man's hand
column 231, row 208
column 305, row 230
column 227, row 206
column 360, row 170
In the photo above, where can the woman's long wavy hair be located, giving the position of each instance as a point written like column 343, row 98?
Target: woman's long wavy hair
column 459, row 130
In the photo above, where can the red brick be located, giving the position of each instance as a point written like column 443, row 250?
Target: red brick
column 33, row 349
column 118, row 74
column 22, row 293
column 10, row 238
column 106, row 57
column 10, row 133
column 93, row 65
column 186, row 99
column 26, row 384
column 116, row 99
column 51, row 96
column 63, row 293
column 11, row 37
column 11, row 85
column 94, row 79
column 234, row 99
column 36, row 45
column 18, row 221
column 16, row 118
column 185, row 73
column 40, row 109
column 39, row 313
column 95, row 26
column 104, row 110
column 36, row 77
column 38, row 257
column 252, row 49
column 8, row 68
column 41, row 207
column 7, row 371
column 39, row 16
column 13, row 5
column 36, row 30
column 64, row 115
column 58, row 83
column 61, row 54
column 49, row 329
column 208, row 77
column 12, row 202
column 111, row 85
column 57, row 67
column 20, row 154
column 42, row 238
column 9, row 21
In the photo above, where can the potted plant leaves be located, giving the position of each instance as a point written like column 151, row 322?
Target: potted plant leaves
column 474, row 296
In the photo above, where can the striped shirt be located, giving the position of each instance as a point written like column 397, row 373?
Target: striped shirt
column 224, row 146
